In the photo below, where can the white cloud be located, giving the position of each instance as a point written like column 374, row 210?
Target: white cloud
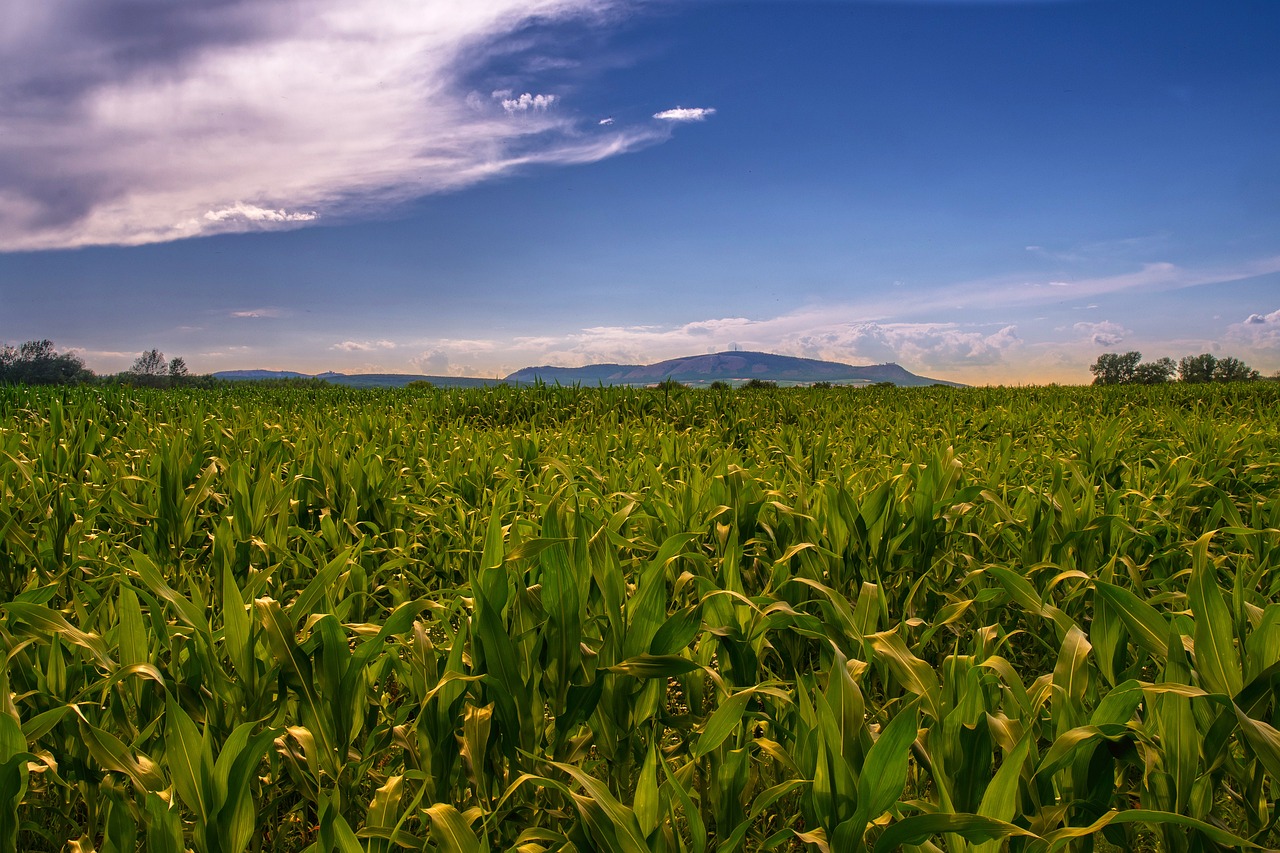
column 199, row 119
column 1257, row 331
column 524, row 102
column 1104, row 334
column 364, row 346
column 257, row 314
column 835, row 333
column 685, row 114
column 253, row 213
column 605, row 122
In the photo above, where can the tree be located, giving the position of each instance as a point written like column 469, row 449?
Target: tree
column 669, row 384
column 1197, row 368
column 178, row 367
column 1115, row 369
column 150, row 363
column 38, row 363
column 1155, row 372
column 1233, row 370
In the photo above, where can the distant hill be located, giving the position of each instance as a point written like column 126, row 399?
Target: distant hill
column 731, row 367
column 260, row 374
column 697, row 370
column 399, row 380
column 361, row 380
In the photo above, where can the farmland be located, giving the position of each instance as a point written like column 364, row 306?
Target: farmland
column 635, row 620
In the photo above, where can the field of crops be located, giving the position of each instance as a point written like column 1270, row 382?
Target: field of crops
column 634, row 620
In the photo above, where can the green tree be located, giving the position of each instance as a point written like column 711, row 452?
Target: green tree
column 1233, row 370
column 178, row 367
column 1197, row 368
column 1155, row 372
column 1115, row 369
column 38, row 363
column 150, row 363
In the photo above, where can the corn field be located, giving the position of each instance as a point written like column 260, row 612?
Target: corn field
column 640, row 621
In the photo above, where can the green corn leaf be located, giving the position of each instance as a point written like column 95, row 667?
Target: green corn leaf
column 1262, row 646
column 884, row 773
column 335, row 832
column 690, row 811
column 1061, row 838
column 113, row 754
column 450, row 831
column 1263, row 740
column 43, row 622
column 918, row 829
column 721, row 723
column 234, row 773
column 1000, row 800
column 678, row 631
column 647, row 803
column 1145, row 624
column 654, row 666
column 190, row 761
column 1217, row 661
column 621, row 821
column 163, row 826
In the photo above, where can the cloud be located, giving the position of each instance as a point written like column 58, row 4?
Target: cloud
column 927, row 345
column 457, row 357
column 835, row 333
column 1104, row 334
column 524, row 102
column 136, row 121
column 364, row 346
column 685, row 114
column 605, row 122
column 1154, row 277
column 257, row 314
column 1257, row 331
column 253, row 213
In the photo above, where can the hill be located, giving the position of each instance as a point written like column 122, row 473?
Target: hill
column 361, row 380
column 731, row 367
column 697, row 370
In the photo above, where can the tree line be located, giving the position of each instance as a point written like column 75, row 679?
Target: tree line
column 1128, row 368
column 39, row 363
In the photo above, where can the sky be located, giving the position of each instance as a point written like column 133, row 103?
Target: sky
column 985, row 192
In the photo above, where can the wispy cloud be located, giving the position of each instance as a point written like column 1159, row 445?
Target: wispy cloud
column 136, row 121
column 257, row 314
column 685, row 114
column 364, row 346
column 1152, row 277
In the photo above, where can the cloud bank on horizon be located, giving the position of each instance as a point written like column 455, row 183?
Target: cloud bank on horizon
column 869, row 331
column 128, row 122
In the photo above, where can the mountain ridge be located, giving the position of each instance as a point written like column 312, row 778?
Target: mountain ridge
column 729, row 366
column 733, row 367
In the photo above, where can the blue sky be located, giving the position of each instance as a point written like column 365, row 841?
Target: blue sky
column 990, row 192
